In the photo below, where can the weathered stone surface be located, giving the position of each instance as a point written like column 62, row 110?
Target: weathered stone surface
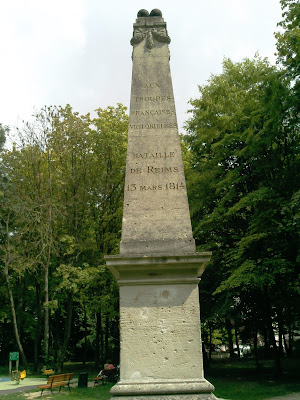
column 158, row 268
column 199, row 396
column 156, row 213
column 161, row 348
column 166, row 318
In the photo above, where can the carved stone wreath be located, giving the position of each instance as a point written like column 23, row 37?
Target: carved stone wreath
column 149, row 34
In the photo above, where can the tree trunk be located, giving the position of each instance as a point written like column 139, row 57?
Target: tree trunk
column 37, row 328
column 97, row 352
column 291, row 338
column 230, row 341
column 46, row 314
column 276, row 355
column 10, row 294
column 56, row 338
column 255, row 346
column 287, row 350
column 99, row 341
column 67, row 334
column 21, row 306
column 14, row 317
column 205, row 358
column 107, row 355
column 49, row 242
column 280, row 330
column 280, row 344
column 85, row 335
column 266, row 336
column 237, row 340
column 210, row 340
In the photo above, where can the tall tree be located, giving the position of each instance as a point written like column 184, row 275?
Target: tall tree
column 64, row 202
column 242, row 182
column 33, row 182
column 10, row 258
column 288, row 39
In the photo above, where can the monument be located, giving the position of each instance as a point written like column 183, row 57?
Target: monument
column 158, row 268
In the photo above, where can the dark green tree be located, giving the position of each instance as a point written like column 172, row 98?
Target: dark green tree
column 242, row 187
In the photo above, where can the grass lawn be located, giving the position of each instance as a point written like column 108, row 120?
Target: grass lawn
column 234, row 380
column 100, row 392
column 239, row 380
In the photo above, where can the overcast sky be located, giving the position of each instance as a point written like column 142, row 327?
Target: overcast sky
column 78, row 51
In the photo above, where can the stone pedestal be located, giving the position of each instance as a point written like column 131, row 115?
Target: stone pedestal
column 161, row 352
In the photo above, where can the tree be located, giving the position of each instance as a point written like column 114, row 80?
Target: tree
column 243, row 180
column 109, row 150
column 91, row 168
column 62, row 212
column 31, row 173
column 288, row 52
column 9, row 243
column 288, row 40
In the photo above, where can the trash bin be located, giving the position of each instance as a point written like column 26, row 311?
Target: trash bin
column 82, row 379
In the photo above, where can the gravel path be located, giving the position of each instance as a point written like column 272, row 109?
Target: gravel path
column 18, row 389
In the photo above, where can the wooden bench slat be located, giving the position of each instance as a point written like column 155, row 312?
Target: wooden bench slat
column 59, row 384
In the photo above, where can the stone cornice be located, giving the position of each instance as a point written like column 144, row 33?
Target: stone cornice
column 158, row 269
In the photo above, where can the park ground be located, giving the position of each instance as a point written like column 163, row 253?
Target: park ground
column 235, row 380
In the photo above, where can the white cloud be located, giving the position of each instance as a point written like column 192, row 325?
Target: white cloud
column 78, row 51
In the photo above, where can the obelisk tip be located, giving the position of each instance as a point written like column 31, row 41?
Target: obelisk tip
column 154, row 13
column 143, row 13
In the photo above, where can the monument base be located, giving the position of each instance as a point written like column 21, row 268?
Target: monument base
column 198, row 396
column 164, row 389
column 161, row 352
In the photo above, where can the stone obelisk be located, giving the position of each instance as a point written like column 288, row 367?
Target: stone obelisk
column 158, row 268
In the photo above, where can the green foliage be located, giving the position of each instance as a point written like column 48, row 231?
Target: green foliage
column 243, row 183
column 62, row 206
column 3, row 132
column 288, row 39
column 288, row 52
